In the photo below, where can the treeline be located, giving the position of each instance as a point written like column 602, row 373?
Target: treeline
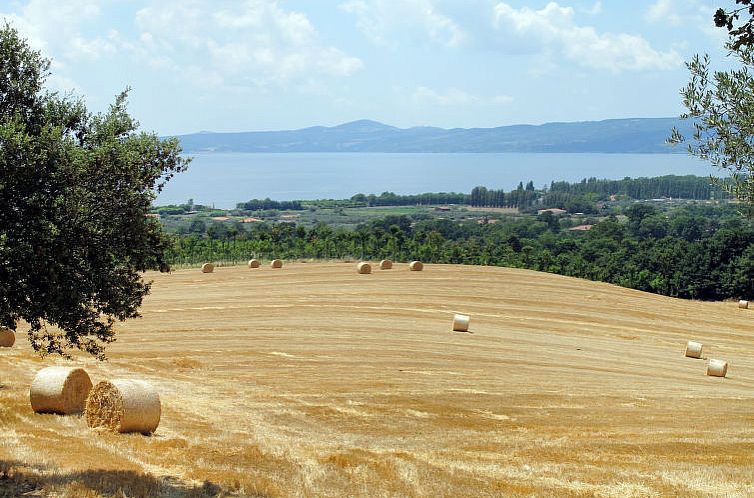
column 687, row 253
column 265, row 204
column 684, row 187
column 392, row 199
column 581, row 196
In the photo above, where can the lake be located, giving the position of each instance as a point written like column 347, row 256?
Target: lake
column 227, row 179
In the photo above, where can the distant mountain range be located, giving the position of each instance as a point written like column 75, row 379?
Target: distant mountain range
column 640, row 135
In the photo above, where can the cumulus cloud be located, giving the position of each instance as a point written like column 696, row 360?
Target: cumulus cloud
column 56, row 27
column 677, row 13
column 387, row 22
column 255, row 42
column 554, row 28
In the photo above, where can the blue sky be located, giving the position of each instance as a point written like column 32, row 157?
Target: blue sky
column 262, row 65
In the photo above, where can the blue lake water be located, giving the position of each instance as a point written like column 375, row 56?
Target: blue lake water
column 226, row 179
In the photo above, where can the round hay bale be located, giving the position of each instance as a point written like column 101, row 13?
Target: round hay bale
column 364, row 268
column 461, row 323
column 386, row 264
column 124, row 405
column 693, row 349
column 743, row 304
column 7, row 337
column 276, row 263
column 416, row 266
column 717, row 368
column 61, row 390
column 254, row 263
column 208, row 268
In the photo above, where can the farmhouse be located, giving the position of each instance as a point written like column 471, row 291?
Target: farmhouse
column 555, row 211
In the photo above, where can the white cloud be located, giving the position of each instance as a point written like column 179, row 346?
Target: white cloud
column 236, row 44
column 553, row 28
column 455, row 97
column 386, row 22
column 55, row 27
column 679, row 13
column 594, row 9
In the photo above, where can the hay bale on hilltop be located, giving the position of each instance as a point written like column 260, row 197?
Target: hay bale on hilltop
column 693, row 349
column 416, row 266
column 7, row 337
column 461, row 323
column 253, row 263
column 364, row 268
column 208, row 268
column 124, row 405
column 276, row 263
column 743, row 304
column 61, row 390
column 717, row 368
column 386, row 264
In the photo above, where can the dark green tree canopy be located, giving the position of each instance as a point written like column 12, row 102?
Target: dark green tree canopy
column 75, row 191
column 740, row 34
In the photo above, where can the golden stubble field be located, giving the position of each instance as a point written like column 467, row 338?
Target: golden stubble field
column 313, row 380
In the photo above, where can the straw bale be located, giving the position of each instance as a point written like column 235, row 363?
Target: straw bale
column 694, row 349
column 7, row 337
column 60, row 390
column 208, row 268
column 461, row 323
column 743, row 304
column 717, row 368
column 416, row 266
column 276, row 263
column 386, row 264
column 253, row 263
column 364, row 268
column 124, row 405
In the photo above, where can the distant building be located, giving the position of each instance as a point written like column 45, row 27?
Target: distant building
column 555, row 211
column 580, row 228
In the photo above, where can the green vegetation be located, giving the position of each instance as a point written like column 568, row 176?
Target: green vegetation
column 721, row 108
column 75, row 191
column 694, row 248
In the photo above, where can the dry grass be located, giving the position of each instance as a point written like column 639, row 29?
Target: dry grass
column 315, row 382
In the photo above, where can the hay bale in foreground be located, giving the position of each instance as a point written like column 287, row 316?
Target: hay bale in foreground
column 208, row 268
column 386, row 264
column 693, row 349
column 416, row 266
column 61, row 390
column 124, row 405
column 276, row 263
column 253, row 263
column 461, row 323
column 364, row 268
column 717, row 368
column 7, row 337
column 743, row 304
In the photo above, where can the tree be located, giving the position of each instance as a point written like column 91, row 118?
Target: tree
column 75, row 191
column 721, row 107
column 742, row 34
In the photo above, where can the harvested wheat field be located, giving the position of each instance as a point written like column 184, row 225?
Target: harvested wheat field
column 313, row 380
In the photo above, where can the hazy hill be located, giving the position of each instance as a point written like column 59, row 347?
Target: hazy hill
column 641, row 135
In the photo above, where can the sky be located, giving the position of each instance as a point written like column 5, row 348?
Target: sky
column 217, row 65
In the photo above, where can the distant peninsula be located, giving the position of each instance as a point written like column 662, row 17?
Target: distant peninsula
column 620, row 136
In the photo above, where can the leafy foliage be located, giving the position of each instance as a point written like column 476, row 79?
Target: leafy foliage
column 691, row 252
column 721, row 106
column 75, row 191
column 742, row 34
